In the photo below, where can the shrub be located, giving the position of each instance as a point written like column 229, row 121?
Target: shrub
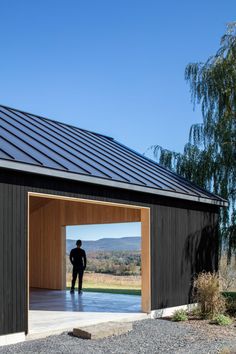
column 222, row 320
column 207, row 294
column 195, row 312
column 230, row 305
column 180, row 315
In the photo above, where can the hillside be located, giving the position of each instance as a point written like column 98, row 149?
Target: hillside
column 108, row 244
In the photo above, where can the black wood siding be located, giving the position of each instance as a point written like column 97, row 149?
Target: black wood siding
column 183, row 240
column 184, row 243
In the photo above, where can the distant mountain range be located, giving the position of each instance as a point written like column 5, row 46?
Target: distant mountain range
column 107, row 244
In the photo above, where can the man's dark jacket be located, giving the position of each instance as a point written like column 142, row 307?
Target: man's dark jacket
column 78, row 258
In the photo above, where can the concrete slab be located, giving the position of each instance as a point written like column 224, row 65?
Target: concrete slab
column 54, row 312
column 103, row 330
column 46, row 323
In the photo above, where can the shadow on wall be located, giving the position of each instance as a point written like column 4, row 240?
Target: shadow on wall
column 200, row 253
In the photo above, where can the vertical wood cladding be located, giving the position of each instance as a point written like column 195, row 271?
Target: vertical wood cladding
column 183, row 240
column 185, row 243
column 13, row 247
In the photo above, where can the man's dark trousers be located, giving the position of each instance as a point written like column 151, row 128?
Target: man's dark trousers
column 80, row 272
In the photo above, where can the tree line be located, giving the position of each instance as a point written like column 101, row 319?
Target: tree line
column 112, row 262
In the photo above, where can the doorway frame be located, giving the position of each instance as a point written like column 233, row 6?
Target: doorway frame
column 145, row 242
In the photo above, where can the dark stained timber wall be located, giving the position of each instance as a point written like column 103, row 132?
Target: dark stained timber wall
column 13, row 251
column 183, row 241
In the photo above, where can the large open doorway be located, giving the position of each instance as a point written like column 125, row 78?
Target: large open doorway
column 48, row 217
column 113, row 267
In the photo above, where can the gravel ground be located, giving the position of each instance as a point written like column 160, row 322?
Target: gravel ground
column 148, row 336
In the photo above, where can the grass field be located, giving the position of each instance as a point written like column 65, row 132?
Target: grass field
column 106, row 283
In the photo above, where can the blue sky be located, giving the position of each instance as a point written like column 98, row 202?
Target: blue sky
column 111, row 66
column 95, row 232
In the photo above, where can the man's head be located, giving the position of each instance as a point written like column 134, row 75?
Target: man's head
column 79, row 243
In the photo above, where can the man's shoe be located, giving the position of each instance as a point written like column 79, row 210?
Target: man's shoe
column 80, row 292
column 72, row 291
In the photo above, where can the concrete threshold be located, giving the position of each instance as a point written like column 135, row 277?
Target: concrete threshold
column 46, row 323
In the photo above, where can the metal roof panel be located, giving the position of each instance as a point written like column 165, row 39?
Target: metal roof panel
column 29, row 139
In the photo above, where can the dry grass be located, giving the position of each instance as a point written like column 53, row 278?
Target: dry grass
column 207, row 294
column 108, row 281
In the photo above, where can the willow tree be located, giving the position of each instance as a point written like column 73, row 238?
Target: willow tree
column 209, row 157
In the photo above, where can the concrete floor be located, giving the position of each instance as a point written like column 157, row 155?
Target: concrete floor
column 53, row 312
column 62, row 300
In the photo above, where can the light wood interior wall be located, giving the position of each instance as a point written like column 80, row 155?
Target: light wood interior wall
column 45, row 248
column 145, row 260
column 47, row 239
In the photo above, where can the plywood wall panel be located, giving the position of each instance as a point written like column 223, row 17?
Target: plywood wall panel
column 76, row 213
column 45, row 248
column 145, row 260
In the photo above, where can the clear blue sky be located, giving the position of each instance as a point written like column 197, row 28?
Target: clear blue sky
column 95, row 232
column 113, row 66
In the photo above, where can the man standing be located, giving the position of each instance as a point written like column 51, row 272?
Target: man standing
column 78, row 260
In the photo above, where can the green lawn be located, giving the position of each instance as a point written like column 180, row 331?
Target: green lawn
column 112, row 291
column 108, row 283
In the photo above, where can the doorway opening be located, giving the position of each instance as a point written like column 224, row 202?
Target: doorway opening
column 113, row 253
column 48, row 218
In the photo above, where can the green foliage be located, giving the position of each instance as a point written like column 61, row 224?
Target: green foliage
column 230, row 303
column 112, row 262
column 195, row 312
column 222, row 320
column 180, row 315
column 230, row 295
column 209, row 158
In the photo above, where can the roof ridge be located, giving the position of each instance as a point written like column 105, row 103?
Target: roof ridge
column 56, row 121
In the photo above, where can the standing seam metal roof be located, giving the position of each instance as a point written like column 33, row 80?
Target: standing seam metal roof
column 31, row 140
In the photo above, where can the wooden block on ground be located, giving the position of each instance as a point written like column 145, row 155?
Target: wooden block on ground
column 103, row 330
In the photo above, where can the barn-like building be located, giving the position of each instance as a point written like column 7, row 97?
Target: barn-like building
column 53, row 174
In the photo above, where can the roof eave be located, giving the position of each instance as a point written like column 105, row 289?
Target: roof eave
column 18, row 166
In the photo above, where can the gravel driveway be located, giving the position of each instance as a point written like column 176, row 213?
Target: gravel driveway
column 148, row 336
